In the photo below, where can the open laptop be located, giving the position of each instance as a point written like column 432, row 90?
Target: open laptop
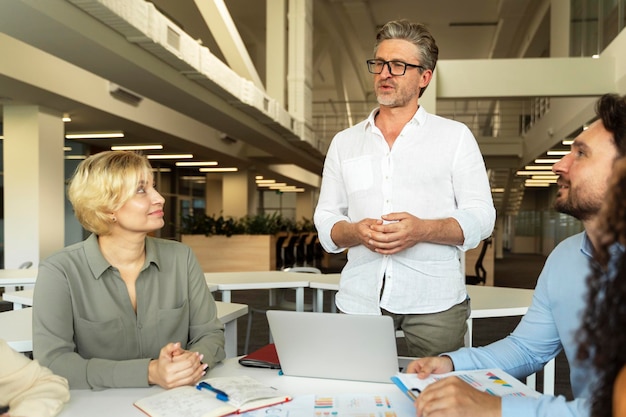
column 335, row 346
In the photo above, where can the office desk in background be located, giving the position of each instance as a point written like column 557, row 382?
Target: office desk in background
column 486, row 301
column 16, row 326
column 11, row 278
column 119, row 402
column 260, row 280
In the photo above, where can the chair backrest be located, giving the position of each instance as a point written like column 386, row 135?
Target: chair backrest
column 305, row 269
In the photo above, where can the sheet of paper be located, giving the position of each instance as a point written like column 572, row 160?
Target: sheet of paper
column 493, row 381
column 343, row 405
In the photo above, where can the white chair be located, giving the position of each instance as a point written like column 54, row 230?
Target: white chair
column 25, row 265
column 282, row 304
column 548, row 378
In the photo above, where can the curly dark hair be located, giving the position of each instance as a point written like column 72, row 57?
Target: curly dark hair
column 602, row 336
column 611, row 109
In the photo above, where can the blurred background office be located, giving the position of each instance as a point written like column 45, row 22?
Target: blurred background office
column 235, row 102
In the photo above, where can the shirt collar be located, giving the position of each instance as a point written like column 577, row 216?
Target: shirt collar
column 419, row 117
column 586, row 247
column 98, row 264
column 616, row 250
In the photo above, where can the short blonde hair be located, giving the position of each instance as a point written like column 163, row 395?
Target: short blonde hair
column 102, row 184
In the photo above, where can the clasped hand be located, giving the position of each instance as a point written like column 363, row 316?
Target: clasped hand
column 176, row 367
column 394, row 233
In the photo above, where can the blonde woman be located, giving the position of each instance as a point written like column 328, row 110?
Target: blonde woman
column 121, row 308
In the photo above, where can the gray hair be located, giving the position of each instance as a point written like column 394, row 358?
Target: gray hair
column 417, row 34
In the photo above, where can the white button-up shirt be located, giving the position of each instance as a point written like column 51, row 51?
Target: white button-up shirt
column 434, row 170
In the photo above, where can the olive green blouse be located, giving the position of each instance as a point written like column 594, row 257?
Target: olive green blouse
column 86, row 330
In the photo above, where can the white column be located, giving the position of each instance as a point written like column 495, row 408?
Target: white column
column 34, row 185
column 559, row 28
column 300, row 60
column 276, row 51
column 429, row 98
column 213, row 195
column 238, row 194
column 305, row 205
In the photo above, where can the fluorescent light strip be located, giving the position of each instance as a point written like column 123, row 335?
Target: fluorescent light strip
column 171, row 156
column 219, row 169
column 567, row 142
column 532, row 180
column 557, row 153
column 94, row 135
column 75, row 157
column 546, row 161
column 497, row 190
column 534, row 172
column 292, row 190
column 265, row 182
column 136, row 147
column 196, row 164
column 161, row 169
column 545, row 177
column 535, row 167
column 193, row 178
column 66, row 118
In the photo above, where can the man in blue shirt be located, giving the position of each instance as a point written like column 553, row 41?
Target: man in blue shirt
column 554, row 315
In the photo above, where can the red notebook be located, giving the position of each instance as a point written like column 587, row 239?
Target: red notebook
column 265, row 357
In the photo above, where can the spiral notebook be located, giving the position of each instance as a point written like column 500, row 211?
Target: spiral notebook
column 336, row 346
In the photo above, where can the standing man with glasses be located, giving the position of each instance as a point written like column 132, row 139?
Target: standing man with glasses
column 407, row 192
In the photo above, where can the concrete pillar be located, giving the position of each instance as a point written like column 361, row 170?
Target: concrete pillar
column 304, row 205
column 238, row 194
column 276, row 51
column 560, row 12
column 213, row 195
column 300, row 60
column 34, row 186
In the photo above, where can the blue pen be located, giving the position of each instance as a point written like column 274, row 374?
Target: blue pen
column 221, row 395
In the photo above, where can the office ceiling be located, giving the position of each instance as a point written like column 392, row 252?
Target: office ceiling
column 343, row 34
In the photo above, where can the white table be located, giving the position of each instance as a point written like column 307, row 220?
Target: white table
column 486, row 301
column 255, row 280
column 118, row 402
column 16, row 326
column 25, row 297
column 17, row 277
column 19, row 298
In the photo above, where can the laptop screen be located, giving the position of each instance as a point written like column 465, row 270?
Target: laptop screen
column 335, row 346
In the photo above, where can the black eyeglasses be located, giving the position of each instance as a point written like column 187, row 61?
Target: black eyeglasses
column 375, row 66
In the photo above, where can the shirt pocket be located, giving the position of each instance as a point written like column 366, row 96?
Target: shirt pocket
column 101, row 339
column 358, row 174
column 173, row 324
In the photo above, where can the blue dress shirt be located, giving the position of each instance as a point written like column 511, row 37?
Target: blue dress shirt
column 550, row 325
